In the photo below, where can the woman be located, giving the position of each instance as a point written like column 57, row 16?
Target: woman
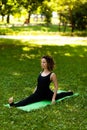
column 42, row 91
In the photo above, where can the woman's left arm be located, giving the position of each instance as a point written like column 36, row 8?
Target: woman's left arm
column 54, row 79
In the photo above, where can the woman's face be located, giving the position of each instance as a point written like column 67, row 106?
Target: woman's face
column 43, row 63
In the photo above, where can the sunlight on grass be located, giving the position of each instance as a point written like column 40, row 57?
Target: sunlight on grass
column 16, row 74
column 55, row 40
column 23, row 56
column 67, row 54
column 26, row 48
column 85, row 49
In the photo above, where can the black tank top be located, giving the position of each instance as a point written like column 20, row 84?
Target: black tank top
column 43, row 83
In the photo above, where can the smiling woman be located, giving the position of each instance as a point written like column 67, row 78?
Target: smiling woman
column 43, row 91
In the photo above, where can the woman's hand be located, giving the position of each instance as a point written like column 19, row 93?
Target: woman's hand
column 53, row 102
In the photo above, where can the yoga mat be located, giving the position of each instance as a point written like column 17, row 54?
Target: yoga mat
column 40, row 104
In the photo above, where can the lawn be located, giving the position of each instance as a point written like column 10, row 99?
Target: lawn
column 19, row 67
column 38, row 30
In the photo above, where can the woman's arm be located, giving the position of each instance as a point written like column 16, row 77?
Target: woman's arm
column 54, row 79
column 35, row 89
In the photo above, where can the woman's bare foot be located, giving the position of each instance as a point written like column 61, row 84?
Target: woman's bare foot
column 71, row 92
column 10, row 100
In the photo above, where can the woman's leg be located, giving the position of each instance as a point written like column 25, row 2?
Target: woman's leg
column 63, row 94
column 31, row 99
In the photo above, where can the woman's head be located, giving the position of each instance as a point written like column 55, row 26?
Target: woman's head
column 47, row 61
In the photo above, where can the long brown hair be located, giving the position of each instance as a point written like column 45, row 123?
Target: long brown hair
column 50, row 62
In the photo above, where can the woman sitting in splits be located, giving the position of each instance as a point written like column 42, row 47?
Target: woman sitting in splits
column 42, row 91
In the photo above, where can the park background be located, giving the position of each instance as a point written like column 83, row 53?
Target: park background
column 28, row 30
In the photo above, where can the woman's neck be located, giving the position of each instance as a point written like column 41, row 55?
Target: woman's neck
column 45, row 72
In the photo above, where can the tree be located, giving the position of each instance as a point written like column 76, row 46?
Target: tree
column 30, row 6
column 2, row 8
column 73, row 11
column 80, row 15
column 46, row 9
column 8, row 7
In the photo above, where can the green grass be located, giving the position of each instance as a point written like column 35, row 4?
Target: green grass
column 19, row 67
column 38, row 30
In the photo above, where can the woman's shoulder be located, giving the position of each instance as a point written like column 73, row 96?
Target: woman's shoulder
column 53, row 75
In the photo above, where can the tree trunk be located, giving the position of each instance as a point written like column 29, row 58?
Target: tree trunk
column 59, row 23
column 64, row 26
column 2, row 18
column 8, row 18
column 29, row 14
column 72, row 21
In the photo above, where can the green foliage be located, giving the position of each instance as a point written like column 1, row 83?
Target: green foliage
column 8, row 7
column 74, row 12
column 80, row 15
column 46, row 9
column 48, row 14
column 19, row 67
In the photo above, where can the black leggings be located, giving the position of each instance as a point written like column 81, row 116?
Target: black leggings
column 35, row 98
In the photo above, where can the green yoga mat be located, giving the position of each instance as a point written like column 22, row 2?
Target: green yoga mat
column 40, row 104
